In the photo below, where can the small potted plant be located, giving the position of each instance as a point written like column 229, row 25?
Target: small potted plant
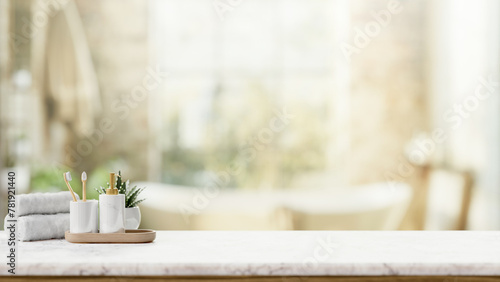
column 132, row 211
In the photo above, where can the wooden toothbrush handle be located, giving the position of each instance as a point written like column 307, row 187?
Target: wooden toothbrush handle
column 71, row 190
column 84, row 191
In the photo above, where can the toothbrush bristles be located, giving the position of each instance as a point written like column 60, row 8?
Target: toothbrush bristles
column 67, row 178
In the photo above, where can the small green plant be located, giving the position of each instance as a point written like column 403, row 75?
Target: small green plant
column 131, row 195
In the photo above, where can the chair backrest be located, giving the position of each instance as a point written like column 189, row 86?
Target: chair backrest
column 448, row 199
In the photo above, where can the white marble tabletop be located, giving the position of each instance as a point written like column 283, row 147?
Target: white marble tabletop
column 275, row 253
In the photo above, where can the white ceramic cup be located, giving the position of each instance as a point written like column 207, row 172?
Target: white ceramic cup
column 132, row 218
column 83, row 216
column 112, row 213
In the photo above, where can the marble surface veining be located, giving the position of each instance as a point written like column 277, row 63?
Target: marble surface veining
column 275, row 253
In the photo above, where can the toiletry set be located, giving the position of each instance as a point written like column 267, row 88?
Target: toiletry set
column 45, row 216
column 84, row 213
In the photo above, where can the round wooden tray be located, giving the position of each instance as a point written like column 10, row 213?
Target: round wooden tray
column 130, row 236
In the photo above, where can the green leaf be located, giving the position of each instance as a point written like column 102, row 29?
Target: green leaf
column 134, row 194
column 130, row 193
column 123, row 188
column 100, row 190
column 136, row 203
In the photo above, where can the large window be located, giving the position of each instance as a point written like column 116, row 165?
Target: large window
column 233, row 72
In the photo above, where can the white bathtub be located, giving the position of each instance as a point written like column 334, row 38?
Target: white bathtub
column 372, row 207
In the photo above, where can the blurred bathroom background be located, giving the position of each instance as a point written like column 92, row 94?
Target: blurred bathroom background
column 260, row 114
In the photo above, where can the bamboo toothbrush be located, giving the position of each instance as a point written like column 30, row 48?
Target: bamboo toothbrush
column 84, row 186
column 67, row 177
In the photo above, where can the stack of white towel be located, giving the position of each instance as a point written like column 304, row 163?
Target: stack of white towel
column 42, row 216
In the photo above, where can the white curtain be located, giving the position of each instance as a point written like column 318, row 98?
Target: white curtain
column 64, row 77
column 464, row 50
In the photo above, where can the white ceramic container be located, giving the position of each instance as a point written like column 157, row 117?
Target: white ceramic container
column 132, row 218
column 112, row 213
column 83, row 216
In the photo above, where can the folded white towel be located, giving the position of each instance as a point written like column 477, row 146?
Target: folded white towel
column 43, row 203
column 40, row 226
